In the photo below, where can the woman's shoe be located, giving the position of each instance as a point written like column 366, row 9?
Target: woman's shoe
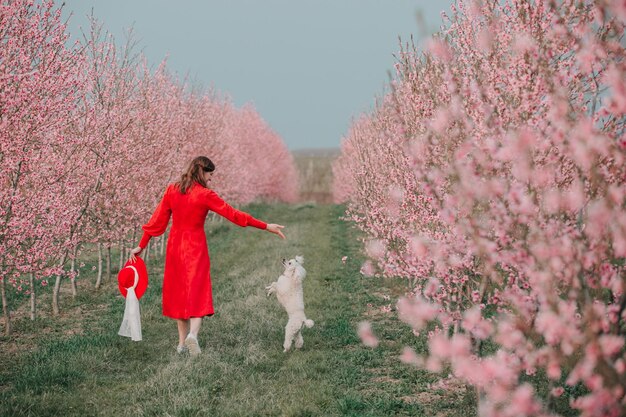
column 191, row 342
column 180, row 349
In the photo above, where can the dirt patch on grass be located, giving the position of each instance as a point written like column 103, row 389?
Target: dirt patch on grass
column 373, row 312
column 429, row 399
column 382, row 295
column 385, row 380
column 443, row 390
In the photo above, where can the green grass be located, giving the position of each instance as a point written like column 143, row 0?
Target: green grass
column 76, row 365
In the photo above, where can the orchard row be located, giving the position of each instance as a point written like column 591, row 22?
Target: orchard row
column 493, row 177
column 90, row 136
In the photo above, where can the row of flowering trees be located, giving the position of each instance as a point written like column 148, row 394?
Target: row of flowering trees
column 493, row 176
column 90, row 136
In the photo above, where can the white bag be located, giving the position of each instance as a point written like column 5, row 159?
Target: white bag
column 131, row 323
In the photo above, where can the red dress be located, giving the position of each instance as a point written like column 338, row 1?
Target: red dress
column 187, row 277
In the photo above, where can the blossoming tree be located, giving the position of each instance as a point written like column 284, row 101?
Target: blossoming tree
column 512, row 122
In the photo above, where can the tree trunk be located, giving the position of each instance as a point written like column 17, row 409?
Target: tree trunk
column 72, row 270
column 33, row 308
column 132, row 243
column 109, row 261
column 122, row 250
column 99, row 279
column 57, row 289
column 5, row 310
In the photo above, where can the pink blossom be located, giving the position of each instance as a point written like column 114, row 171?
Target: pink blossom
column 366, row 334
column 485, row 40
column 523, row 402
column 375, row 248
column 368, row 269
column 615, row 80
column 431, row 287
column 475, row 324
column 418, row 246
column 553, row 370
column 611, row 344
column 619, row 8
column 440, row 121
column 439, row 48
column 410, row 357
column 523, row 42
column 416, row 311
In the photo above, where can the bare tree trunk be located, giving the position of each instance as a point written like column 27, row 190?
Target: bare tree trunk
column 99, row 279
column 33, row 308
column 5, row 310
column 148, row 248
column 57, row 289
column 162, row 245
column 132, row 244
column 122, row 251
column 109, row 261
column 72, row 270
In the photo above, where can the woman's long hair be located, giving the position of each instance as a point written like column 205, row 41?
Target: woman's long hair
column 195, row 172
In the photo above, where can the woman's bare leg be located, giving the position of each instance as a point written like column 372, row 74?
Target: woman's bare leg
column 183, row 330
column 191, row 341
column 194, row 327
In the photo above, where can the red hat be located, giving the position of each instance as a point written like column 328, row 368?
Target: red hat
column 126, row 277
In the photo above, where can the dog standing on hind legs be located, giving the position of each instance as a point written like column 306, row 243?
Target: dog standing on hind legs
column 288, row 290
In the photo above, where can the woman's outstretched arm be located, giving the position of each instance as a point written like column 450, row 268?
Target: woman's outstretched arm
column 243, row 219
column 275, row 228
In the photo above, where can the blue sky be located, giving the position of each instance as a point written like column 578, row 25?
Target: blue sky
column 309, row 67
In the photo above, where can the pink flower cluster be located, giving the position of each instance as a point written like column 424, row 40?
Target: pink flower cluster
column 493, row 176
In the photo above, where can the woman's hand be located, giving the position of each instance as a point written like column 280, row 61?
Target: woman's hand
column 275, row 228
column 134, row 252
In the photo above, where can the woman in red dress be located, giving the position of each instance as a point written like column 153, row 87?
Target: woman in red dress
column 187, row 296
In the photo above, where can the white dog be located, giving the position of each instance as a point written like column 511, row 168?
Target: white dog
column 288, row 289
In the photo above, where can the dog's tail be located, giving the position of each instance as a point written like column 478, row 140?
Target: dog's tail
column 308, row 323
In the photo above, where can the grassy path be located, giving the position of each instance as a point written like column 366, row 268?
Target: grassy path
column 76, row 365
